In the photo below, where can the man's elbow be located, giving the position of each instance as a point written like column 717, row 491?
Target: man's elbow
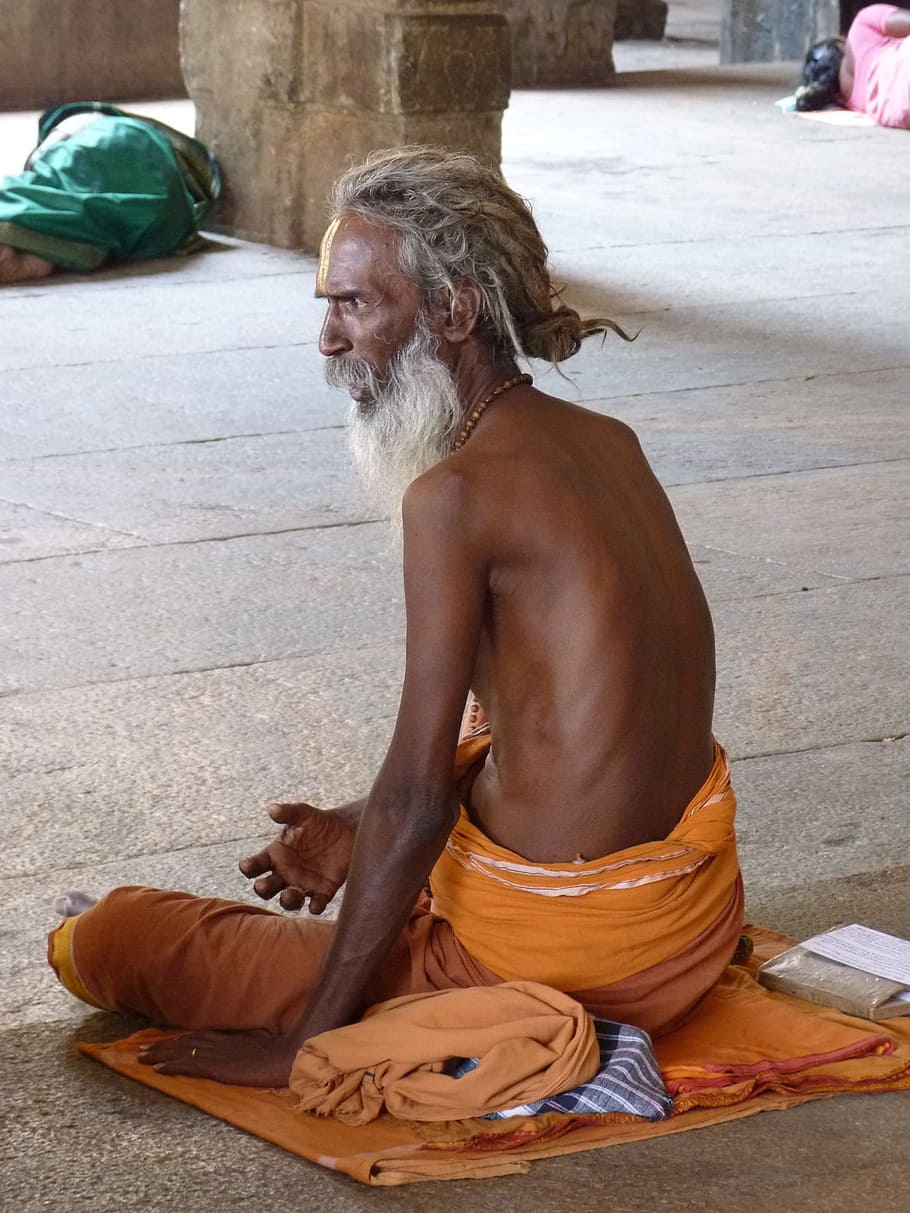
column 421, row 812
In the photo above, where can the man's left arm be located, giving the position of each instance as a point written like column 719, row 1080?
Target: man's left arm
column 413, row 804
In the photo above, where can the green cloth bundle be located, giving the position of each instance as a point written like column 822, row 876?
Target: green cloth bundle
column 119, row 188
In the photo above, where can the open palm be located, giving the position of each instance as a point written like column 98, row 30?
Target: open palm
column 309, row 859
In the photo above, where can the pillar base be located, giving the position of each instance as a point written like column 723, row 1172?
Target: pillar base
column 766, row 31
column 562, row 42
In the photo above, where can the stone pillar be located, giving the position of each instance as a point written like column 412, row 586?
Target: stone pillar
column 291, row 92
column 767, row 31
column 562, row 42
column 640, row 19
column 53, row 51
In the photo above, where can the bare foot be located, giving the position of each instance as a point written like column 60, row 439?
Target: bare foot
column 16, row 266
column 68, row 905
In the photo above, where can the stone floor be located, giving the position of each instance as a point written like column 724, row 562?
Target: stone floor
column 200, row 614
column 691, row 39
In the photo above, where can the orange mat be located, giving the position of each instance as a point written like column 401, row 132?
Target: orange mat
column 744, row 1050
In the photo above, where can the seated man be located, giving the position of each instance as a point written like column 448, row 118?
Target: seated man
column 103, row 185
column 585, row 839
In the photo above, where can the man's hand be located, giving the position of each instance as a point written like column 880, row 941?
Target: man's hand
column 246, row 1059
column 309, row 858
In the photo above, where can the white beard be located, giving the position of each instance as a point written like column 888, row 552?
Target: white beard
column 408, row 424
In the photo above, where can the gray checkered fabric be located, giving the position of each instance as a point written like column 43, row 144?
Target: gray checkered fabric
column 628, row 1080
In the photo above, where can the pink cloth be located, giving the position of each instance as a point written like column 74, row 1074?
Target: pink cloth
column 881, row 68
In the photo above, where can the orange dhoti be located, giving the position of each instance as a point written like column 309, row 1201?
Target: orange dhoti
column 638, row 936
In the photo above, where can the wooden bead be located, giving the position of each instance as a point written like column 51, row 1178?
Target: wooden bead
column 481, row 408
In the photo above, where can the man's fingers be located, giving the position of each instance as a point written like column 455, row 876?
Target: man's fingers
column 318, row 902
column 289, row 814
column 256, row 865
column 267, row 886
column 176, row 1056
column 292, row 899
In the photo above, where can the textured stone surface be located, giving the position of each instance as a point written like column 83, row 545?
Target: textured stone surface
column 768, row 31
column 315, row 86
column 222, row 604
column 306, row 729
column 87, row 50
column 562, row 42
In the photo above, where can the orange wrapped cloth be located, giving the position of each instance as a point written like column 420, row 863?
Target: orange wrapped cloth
column 532, row 1042
column 637, row 936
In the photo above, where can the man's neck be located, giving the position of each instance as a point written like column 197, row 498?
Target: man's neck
column 479, row 371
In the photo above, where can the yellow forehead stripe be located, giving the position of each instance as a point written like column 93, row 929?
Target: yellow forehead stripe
column 325, row 253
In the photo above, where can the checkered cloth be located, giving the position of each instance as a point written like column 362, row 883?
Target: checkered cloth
column 628, row 1080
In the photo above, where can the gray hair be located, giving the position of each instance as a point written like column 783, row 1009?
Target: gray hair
column 458, row 221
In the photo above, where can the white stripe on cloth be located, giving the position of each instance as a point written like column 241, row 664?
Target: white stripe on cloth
column 478, row 863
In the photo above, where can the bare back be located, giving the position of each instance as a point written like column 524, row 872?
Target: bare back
column 596, row 659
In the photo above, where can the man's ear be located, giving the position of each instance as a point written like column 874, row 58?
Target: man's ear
column 465, row 309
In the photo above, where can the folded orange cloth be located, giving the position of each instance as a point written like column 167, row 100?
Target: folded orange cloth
column 532, row 1042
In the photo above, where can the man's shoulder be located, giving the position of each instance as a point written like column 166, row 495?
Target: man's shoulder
column 438, row 501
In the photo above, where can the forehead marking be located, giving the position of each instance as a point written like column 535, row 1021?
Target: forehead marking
column 325, row 253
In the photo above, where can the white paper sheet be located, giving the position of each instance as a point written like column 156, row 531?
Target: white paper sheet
column 862, row 948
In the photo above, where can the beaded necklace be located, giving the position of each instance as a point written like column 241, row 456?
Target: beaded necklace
column 481, row 408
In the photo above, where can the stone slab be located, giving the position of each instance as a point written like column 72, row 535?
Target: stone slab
column 776, row 518
column 714, row 271
column 197, row 606
column 301, row 593
column 183, row 398
column 158, row 765
column 689, row 434
column 692, row 182
column 199, row 490
column 247, row 485
column 837, row 810
column 876, row 898
column 31, row 534
column 157, row 321
column 728, row 576
column 737, row 343
column 697, row 435
column 821, row 668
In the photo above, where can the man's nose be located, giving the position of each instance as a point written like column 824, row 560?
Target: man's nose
column 331, row 338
